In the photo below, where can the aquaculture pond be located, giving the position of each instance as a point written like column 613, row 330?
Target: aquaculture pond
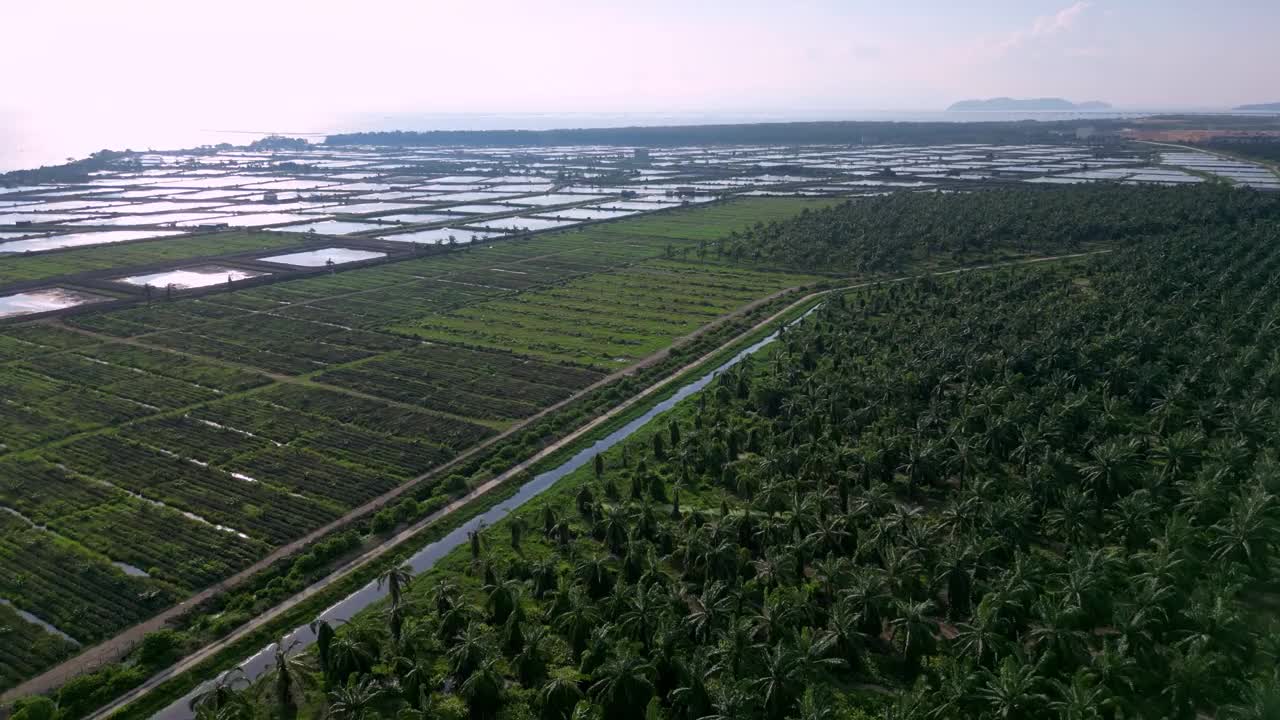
column 440, row 236
column 317, row 258
column 192, row 277
column 329, row 227
column 38, row 301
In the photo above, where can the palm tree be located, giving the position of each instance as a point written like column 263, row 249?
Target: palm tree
column 913, row 630
column 781, row 677
column 577, row 622
column 471, row 649
column 691, row 699
column 623, row 687
column 984, row 639
column 221, row 699
column 531, row 662
column 1261, row 701
column 413, row 680
column 396, row 579
column 1013, row 692
column 288, row 675
column 845, row 623
column 349, row 655
column 483, row 689
column 502, row 599
column 645, row 611
column 1081, row 699
column 355, row 701
column 815, row 704
column 324, row 640
column 1249, row 531
column 559, row 695
column 732, row 700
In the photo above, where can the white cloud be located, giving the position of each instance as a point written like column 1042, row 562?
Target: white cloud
column 1059, row 21
column 1044, row 26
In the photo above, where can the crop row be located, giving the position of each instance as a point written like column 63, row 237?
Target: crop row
column 424, row 392
column 125, row 382
column 49, row 337
column 476, row 390
column 254, row 508
column 308, row 344
column 279, row 362
column 178, row 367
column 116, row 525
column 316, row 476
column 506, row 364
column 159, row 315
column 26, row 648
column 35, row 409
column 353, row 445
column 68, row 588
column 376, row 416
column 380, row 307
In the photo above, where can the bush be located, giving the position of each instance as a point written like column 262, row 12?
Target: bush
column 160, row 648
column 35, row 708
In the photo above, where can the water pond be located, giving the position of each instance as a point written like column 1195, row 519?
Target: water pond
column 80, row 239
column 523, row 223
column 319, row 258
column 197, row 277
column 329, row 227
column 38, row 301
column 440, row 236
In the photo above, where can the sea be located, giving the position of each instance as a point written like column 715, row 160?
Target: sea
column 32, row 138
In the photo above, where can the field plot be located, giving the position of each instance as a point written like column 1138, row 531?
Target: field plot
column 709, row 223
column 63, row 585
column 20, row 268
column 28, row 648
column 165, row 446
column 484, row 385
column 605, row 320
column 113, row 524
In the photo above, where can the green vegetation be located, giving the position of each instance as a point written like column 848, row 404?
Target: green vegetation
column 910, row 230
column 43, row 266
column 1265, row 149
column 188, row 438
column 605, row 320
column 1037, row 492
column 795, row 133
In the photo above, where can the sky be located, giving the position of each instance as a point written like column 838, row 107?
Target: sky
column 236, row 59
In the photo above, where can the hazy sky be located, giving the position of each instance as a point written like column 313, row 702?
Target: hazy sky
column 232, row 57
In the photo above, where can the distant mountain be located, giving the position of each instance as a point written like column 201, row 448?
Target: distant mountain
column 1261, row 107
column 1004, row 104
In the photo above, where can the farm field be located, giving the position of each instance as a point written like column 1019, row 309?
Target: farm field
column 164, row 446
column 1007, row 493
column 605, row 320
column 20, row 268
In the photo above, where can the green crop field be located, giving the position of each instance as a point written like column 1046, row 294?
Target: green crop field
column 24, row 268
column 182, row 440
column 605, row 320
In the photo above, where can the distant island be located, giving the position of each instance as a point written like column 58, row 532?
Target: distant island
column 1261, row 107
column 1005, row 104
